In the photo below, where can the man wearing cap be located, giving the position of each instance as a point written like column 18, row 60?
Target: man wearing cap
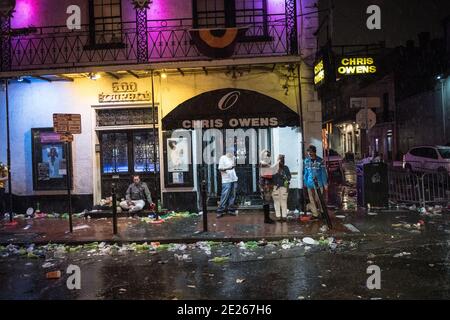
column 227, row 164
column 314, row 168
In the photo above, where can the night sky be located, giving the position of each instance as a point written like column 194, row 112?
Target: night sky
column 400, row 20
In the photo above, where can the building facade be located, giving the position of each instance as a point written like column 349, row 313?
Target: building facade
column 408, row 97
column 162, row 87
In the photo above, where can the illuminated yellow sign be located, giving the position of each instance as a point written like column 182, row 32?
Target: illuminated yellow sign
column 319, row 73
column 356, row 66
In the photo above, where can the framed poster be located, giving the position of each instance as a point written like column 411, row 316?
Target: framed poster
column 177, row 155
column 178, row 168
column 49, row 160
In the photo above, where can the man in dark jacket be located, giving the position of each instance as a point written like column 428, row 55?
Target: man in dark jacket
column 136, row 195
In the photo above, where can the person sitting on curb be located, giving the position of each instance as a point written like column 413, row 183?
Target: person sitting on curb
column 136, row 195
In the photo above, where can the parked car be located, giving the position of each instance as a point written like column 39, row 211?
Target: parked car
column 333, row 161
column 427, row 159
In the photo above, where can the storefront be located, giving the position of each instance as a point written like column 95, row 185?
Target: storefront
column 127, row 129
column 246, row 121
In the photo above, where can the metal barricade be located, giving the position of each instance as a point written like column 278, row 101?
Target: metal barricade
column 404, row 187
column 435, row 188
column 419, row 188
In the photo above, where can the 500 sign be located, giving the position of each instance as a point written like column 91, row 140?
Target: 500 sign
column 124, row 87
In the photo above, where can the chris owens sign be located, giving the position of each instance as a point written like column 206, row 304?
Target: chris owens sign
column 230, row 108
column 349, row 66
column 227, row 102
column 319, row 73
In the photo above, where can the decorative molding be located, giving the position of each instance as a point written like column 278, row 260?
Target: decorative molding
column 140, row 4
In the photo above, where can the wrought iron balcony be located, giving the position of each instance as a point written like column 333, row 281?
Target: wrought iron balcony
column 168, row 40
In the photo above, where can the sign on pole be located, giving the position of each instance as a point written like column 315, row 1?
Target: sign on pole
column 67, row 123
column 365, row 102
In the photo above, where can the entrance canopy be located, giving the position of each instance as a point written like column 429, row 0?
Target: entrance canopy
column 230, row 108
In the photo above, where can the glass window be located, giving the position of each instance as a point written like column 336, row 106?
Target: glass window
column 106, row 21
column 121, row 117
column 444, row 152
column 417, row 152
column 431, row 153
column 231, row 13
column 250, row 12
column 143, row 149
column 114, row 152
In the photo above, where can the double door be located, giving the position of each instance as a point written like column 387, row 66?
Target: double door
column 124, row 153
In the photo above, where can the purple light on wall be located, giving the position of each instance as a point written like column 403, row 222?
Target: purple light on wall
column 26, row 13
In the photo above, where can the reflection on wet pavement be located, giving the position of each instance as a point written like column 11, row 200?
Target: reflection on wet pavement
column 409, row 245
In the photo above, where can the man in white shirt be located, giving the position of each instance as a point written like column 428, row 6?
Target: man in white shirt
column 227, row 164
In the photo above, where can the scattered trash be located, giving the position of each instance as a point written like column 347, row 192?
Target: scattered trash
column 402, row 254
column 240, row 280
column 177, row 247
column 84, row 226
column 301, row 298
column 305, row 218
column 28, row 226
column 220, row 259
column 53, row 275
column 323, row 228
column 340, row 217
column 309, row 241
column 48, row 265
column 351, row 227
column 183, row 257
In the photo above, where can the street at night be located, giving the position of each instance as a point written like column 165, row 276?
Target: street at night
column 206, row 152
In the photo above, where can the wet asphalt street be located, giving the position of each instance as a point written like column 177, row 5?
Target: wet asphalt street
column 413, row 266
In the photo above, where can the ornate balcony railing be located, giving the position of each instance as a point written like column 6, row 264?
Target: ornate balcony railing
column 168, row 40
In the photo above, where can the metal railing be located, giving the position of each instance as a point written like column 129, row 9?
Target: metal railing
column 168, row 40
column 419, row 188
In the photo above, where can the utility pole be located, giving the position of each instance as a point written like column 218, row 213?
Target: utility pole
column 444, row 113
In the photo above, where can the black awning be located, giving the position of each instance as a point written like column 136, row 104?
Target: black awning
column 230, row 108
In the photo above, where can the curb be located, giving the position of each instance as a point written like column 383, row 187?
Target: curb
column 194, row 239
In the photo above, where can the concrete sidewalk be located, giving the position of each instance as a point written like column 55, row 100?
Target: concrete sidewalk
column 245, row 226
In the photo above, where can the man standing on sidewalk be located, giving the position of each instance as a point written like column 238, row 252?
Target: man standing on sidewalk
column 227, row 164
column 314, row 168
column 3, row 180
